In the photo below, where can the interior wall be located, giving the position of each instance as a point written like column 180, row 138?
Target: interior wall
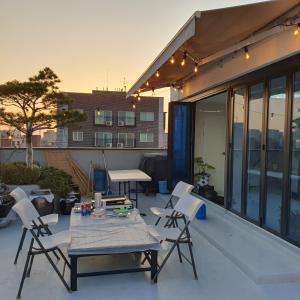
column 210, row 137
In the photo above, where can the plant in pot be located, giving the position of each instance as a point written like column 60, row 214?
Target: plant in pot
column 202, row 175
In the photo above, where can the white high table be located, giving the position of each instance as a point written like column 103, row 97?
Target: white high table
column 109, row 235
column 126, row 177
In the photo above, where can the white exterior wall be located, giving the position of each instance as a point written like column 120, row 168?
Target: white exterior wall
column 266, row 52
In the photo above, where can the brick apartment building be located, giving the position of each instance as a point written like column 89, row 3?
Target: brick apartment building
column 112, row 122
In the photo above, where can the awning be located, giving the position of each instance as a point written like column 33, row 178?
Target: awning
column 205, row 34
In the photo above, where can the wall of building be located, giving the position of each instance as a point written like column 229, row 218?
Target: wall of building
column 266, row 52
column 115, row 158
column 116, row 101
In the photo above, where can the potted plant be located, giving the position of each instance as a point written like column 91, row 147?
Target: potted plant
column 202, row 175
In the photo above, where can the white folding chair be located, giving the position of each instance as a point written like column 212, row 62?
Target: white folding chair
column 180, row 189
column 40, row 244
column 18, row 194
column 187, row 205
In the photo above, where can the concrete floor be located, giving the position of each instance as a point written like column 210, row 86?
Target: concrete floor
column 222, row 275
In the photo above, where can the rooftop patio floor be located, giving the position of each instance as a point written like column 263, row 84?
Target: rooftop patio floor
column 222, row 275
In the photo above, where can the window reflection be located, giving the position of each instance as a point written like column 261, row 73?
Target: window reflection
column 237, row 149
column 254, row 150
column 275, row 146
column 294, row 215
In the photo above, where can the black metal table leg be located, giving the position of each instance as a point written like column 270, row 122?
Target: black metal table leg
column 74, row 273
column 153, row 263
column 136, row 195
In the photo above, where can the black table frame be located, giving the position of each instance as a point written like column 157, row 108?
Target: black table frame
column 126, row 191
column 152, row 254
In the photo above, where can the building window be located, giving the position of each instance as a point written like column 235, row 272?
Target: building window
column 146, row 137
column 103, row 139
column 77, row 136
column 125, row 140
column 147, row 116
column 126, row 118
column 103, row 117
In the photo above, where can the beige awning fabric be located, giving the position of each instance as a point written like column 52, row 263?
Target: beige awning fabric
column 207, row 33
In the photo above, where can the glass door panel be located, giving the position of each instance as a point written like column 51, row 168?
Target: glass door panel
column 255, row 117
column 294, row 176
column 237, row 149
column 275, row 151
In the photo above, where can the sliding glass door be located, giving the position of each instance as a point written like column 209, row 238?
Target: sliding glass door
column 254, row 146
column 237, row 149
column 294, row 174
column 275, row 152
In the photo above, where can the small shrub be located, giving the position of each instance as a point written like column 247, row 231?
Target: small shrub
column 56, row 180
column 19, row 174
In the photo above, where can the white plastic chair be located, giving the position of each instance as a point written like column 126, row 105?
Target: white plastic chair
column 180, row 189
column 187, row 205
column 52, row 219
column 40, row 244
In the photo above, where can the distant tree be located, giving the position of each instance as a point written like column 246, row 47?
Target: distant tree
column 33, row 105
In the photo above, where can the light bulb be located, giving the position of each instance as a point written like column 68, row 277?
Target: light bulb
column 147, row 83
column 297, row 30
column 196, row 68
column 183, row 59
column 157, row 73
column 172, row 60
column 247, row 55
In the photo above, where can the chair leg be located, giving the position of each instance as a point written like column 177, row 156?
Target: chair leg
column 156, row 223
column 20, row 245
column 193, row 261
column 164, row 261
column 179, row 253
column 57, row 271
column 30, row 265
column 63, row 256
column 25, row 270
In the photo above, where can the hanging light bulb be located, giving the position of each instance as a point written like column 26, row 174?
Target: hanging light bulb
column 153, row 91
column 297, row 29
column 147, row 83
column 247, row 55
column 183, row 59
column 139, row 97
column 196, row 68
column 174, row 87
column 157, row 73
column 172, row 60
column 98, row 113
column 133, row 105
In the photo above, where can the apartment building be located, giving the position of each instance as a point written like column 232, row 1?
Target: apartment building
column 113, row 122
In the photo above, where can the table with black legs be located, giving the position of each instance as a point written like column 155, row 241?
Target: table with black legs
column 125, row 178
column 111, row 236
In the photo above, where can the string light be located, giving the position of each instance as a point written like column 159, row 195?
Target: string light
column 139, row 97
column 297, row 30
column 157, row 73
column 98, row 113
column 133, row 105
column 196, row 68
column 172, row 60
column 147, row 83
column 247, row 55
column 183, row 59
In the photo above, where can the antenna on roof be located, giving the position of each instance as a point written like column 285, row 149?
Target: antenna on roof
column 124, row 84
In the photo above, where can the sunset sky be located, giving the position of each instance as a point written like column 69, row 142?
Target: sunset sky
column 90, row 43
